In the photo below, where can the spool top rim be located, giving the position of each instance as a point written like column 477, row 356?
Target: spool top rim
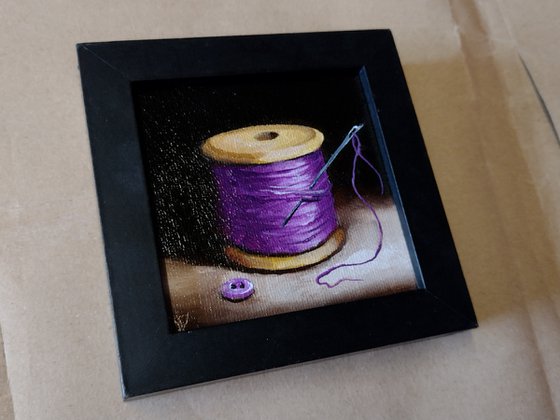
column 261, row 144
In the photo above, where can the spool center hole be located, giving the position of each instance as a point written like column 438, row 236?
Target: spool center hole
column 267, row 135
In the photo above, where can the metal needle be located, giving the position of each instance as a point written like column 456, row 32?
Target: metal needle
column 342, row 145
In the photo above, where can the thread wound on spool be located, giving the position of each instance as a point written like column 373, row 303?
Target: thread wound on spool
column 261, row 172
column 255, row 199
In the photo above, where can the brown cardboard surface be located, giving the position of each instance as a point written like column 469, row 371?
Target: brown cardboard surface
column 494, row 155
column 535, row 30
column 6, row 409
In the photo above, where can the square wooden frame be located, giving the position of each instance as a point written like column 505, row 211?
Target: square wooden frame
column 154, row 359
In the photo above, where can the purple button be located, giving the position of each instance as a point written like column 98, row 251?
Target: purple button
column 237, row 289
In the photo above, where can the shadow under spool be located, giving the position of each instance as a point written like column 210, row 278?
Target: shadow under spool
column 262, row 145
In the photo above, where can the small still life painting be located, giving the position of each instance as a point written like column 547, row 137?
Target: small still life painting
column 269, row 195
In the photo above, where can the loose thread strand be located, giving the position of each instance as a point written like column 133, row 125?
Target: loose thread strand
column 356, row 144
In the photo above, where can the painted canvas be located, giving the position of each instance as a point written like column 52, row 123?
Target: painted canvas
column 269, row 194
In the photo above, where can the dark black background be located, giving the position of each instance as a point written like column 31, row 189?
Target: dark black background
column 176, row 116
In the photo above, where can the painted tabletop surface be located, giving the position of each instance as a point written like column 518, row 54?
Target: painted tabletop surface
column 195, row 289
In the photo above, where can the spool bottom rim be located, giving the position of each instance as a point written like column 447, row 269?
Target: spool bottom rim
column 274, row 263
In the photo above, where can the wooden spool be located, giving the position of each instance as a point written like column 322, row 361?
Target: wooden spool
column 260, row 145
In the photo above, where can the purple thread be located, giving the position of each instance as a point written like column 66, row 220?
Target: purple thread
column 255, row 199
column 358, row 155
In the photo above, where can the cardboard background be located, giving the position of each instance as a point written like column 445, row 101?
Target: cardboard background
column 495, row 157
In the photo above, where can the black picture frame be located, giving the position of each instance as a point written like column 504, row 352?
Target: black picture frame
column 152, row 358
